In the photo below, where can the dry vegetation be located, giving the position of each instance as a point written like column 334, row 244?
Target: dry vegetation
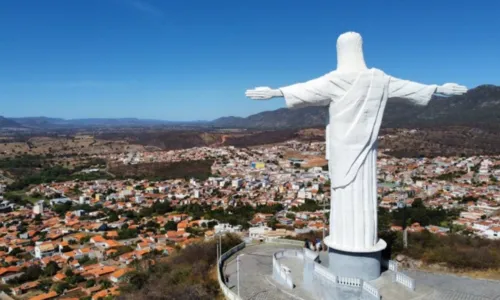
column 79, row 144
column 186, row 275
column 441, row 141
column 184, row 169
column 470, row 256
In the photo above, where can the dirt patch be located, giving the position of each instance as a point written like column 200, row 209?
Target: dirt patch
column 309, row 160
column 77, row 145
column 184, row 169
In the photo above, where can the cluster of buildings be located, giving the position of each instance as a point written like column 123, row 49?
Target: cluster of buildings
column 91, row 240
column 468, row 184
column 167, row 156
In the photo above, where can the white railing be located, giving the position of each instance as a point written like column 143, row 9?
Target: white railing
column 405, row 280
column 349, row 281
column 393, row 265
column 310, row 254
column 371, row 290
column 284, row 274
column 225, row 290
column 324, row 273
column 286, row 241
column 290, row 253
column 281, row 272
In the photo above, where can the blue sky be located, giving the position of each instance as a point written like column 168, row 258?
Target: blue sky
column 193, row 59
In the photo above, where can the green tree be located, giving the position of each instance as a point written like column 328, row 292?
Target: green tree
column 90, row 283
column 112, row 216
column 15, row 251
column 171, row 225
column 60, row 287
column 51, row 269
column 66, row 249
column 418, row 203
column 384, row 219
column 128, row 233
column 83, row 260
column 272, row 223
column 84, row 240
column 105, row 284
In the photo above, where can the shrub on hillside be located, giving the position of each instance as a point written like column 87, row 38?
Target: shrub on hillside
column 454, row 251
column 188, row 274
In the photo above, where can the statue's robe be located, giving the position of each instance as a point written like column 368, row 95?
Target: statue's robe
column 356, row 105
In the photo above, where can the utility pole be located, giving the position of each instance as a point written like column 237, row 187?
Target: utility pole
column 238, row 272
column 324, row 218
column 220, row 245
column 402, row 205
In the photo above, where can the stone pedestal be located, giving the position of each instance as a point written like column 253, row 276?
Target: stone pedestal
column 357, row 263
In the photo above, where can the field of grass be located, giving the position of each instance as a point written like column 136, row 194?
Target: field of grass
column 21, row 195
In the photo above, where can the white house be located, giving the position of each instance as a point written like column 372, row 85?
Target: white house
column 38, row 208
column 59, row 201
column 296, row 186
column 236, row 183
column 226, row 228
column 492, row 233
column 44, row 249
column 483, row 226
column 258, row 232
column 84, row 199
column 139, row 199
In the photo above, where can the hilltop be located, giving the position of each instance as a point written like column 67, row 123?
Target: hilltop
column 8, row 123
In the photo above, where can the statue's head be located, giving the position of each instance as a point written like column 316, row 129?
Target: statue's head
column 350, row 52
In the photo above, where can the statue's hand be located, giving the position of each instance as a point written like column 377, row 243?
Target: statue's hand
column 451, row 89
column 263, row 93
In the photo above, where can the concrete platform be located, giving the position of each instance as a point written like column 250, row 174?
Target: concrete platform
column 257, row 283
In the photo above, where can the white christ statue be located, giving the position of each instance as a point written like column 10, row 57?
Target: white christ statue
column 356, row 97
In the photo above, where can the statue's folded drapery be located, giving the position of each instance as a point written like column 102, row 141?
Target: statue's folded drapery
column 356, row 107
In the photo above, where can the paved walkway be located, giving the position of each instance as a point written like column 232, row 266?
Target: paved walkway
column 450, row 287
column 256, row 269
column 257, row 283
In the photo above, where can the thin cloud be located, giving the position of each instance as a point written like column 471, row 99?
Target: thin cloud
column 146, row 8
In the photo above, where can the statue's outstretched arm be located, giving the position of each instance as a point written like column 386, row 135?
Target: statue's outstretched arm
column 316, row 92
column 421, row 94
column 263, row 93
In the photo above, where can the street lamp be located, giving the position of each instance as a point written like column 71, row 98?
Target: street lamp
column 220, row 243
column 324, row 219
column 238, row 272
column 402, row 205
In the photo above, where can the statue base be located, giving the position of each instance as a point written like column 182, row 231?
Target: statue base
column 357, row 263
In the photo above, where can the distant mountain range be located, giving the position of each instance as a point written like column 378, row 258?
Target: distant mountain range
column 479, row 107
column 9, row 123
column 41, row 123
